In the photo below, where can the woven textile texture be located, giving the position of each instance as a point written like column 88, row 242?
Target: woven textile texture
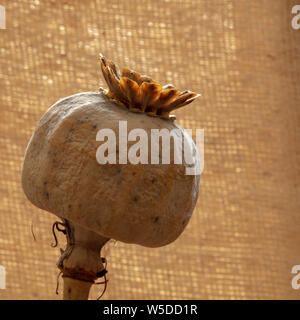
column 244, row 58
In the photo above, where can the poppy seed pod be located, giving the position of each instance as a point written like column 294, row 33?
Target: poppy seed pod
column 148, row 204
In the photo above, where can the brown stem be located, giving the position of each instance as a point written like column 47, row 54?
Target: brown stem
column 80, row 263
column 76, row 289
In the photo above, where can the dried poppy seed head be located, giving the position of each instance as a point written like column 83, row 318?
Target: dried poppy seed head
column 139, row 93
column 148, row 203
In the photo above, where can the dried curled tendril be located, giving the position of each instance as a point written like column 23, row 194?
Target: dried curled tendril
column 56, row 226
column 104, row 271
column 139, row 93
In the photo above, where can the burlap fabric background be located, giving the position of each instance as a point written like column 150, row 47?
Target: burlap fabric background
column 244, row 58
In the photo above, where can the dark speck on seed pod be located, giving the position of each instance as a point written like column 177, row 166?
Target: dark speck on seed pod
column 156, row 219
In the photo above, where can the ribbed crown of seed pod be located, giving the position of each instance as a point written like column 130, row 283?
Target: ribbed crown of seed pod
column 139, row 93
